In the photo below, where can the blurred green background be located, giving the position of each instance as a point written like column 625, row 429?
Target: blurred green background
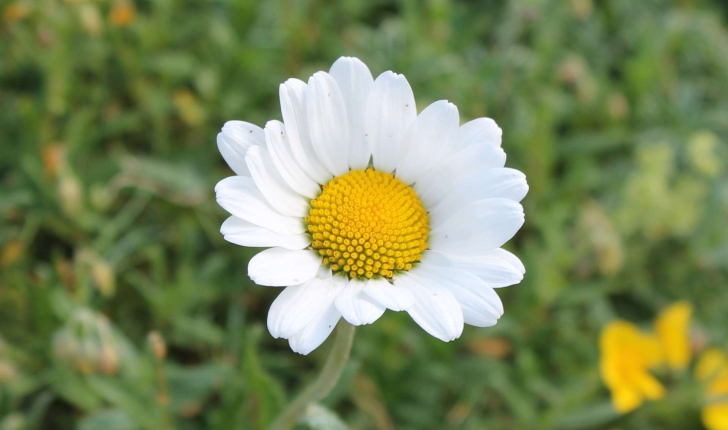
column 121, row 307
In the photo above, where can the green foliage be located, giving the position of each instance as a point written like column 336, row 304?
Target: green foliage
column 616, row 110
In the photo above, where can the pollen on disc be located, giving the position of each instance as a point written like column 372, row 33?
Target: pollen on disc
column 368, row 224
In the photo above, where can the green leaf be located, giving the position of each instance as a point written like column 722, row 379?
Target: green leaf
column 591, row 416
column 265, row 398
column 108, row 419
column 189, row 387
column 142, row 407
column 73, row 388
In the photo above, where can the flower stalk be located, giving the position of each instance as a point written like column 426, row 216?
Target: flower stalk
column 324, row 382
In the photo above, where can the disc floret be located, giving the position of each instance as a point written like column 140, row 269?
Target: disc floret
column 368, row 223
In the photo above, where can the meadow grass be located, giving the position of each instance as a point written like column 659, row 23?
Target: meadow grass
column 616, row 110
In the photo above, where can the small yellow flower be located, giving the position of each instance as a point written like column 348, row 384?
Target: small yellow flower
column 11, row 252
column 673, row 332
column 15, row 12
column 713, row 369
column 189, row 107
column 710, row 364
column 122, row 13
column 626, row 356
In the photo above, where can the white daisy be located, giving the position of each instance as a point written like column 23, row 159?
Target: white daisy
column 366, row 205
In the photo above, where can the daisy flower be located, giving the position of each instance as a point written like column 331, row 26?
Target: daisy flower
column 364, row 206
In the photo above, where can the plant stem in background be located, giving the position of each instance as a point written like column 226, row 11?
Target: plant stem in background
column 324, row 383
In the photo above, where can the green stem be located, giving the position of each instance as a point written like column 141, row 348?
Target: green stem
column 324, row 383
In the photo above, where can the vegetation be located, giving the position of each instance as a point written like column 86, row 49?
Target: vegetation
column 121, row 306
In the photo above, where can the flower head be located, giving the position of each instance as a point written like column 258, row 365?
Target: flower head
column 626, row 356
column 122, row 14
column 366, row 205
column 673, row 332
column 713, row 369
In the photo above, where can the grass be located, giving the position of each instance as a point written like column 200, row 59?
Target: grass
column 617, row 112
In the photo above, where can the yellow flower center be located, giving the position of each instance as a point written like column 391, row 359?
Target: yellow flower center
column 368, row 224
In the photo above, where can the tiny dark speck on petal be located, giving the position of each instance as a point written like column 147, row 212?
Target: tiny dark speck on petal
column 329, row 325
column 406, row 105
column 251, row 131
column 329, row 94
column 434, row 294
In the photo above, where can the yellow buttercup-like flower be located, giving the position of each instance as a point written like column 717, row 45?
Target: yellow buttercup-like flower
column 713, row 369
column 673, row 332
column 710, row 364
column 626, row 356
column 122, row 14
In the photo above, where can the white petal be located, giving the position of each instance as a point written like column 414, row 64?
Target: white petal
column 239, row 196
column 316, row 332
column 389, row 112
column 279, row 147
column 480, row 305
column 328, row 123
column 480, row 131
column 428, row 141
column 510, row 258
column 297, row 305
column 245, row 233
column 488, row 184
column 389, row 296
column 355, row 81
column 279, row 267
column 321, row 326
column 475, row 303
column 498, row 267
column 478, row 227
column 357, row 307
column 435, row 309
column 293, row 108
column 272, row 186
column 233, row 142
column 434, row 184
